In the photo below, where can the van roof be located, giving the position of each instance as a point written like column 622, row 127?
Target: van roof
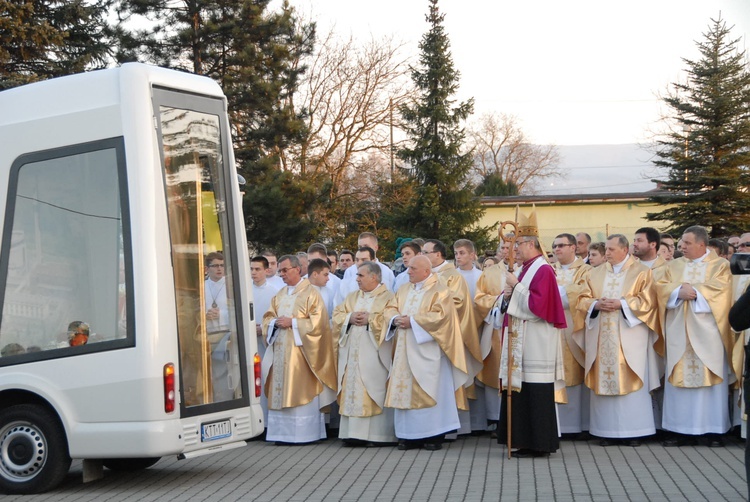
column 92, row 90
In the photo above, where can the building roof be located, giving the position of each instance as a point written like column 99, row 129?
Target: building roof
column 594, row 198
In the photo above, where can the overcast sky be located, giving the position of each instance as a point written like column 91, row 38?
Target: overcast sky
column 573, row 72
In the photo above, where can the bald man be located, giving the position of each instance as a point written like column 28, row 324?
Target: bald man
column 429, row 363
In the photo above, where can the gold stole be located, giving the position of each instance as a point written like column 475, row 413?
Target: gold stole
column 690, row 371
column 282, row 348
column 404, row 392
column 610, row 374
column 353, row 398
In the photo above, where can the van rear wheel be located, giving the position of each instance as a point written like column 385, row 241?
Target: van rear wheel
column 130, row 464
column 33, row 450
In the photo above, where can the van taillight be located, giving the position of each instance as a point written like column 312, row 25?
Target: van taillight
column 169, row 391
column 256, row 370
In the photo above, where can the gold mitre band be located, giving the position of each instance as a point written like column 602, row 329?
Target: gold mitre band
column 527, row 225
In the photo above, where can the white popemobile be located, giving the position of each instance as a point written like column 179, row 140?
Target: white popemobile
column 116, row 185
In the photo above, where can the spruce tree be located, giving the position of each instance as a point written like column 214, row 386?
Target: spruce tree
column 444, row 205
column 707, row 154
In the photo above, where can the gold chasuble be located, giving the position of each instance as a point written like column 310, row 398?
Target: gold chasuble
column 296, row 374
column 489, row 289
column 413, row 381
column 572, row 279
column 468, row 326
column 616, row 354
column 364, row 357
column 697, row 343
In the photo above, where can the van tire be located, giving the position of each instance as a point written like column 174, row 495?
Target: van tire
column 34, row 454
column 129, row 464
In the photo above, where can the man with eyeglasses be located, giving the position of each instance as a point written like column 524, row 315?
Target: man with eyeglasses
column 299, row 367
column 570, row 270
column 534, row 317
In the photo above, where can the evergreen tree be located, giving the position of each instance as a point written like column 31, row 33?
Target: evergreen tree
column 41, row 39
column 254, row 54
column 444, row 205
column 708, row 152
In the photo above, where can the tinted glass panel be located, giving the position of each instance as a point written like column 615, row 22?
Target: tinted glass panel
column 66, row 282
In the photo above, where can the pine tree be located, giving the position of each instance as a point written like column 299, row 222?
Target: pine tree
column 444, row 205
column 708, row 152
column 254, row 54
column 41, row 39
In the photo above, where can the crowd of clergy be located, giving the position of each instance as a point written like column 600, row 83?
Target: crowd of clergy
column 616, row 342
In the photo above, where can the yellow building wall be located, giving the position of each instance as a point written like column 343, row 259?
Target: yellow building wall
column 598, row 218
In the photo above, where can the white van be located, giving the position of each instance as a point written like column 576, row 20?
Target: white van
column 126, row 328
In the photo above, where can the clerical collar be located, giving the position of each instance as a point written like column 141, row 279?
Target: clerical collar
column 437, row 269
column 420, row 285
column 530, row 261
column 616, row 268
column 700, row 259
column 290, row 289
column 566, row 267
column 649, row 263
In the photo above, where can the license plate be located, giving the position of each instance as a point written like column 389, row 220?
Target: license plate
column 216, row 430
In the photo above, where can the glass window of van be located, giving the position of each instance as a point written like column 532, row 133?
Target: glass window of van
column 64, row 256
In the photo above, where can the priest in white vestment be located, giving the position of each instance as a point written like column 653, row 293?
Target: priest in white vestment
column 695, row 295
column 487, row 301
column 217, row 325
column 465, row 255
column 299, row 367
column 429, row 364
column 621, row 367
column 364, row 359
column 437, row 252
column 570, row 270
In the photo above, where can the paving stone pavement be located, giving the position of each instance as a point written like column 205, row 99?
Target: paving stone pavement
column 470, row 469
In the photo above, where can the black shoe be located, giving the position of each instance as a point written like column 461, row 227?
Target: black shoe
column 632, row 442
column 608, row 442
column 679, row 441
column 433, row 446
column 352, row 443
column 404, row 445
column 714, row 441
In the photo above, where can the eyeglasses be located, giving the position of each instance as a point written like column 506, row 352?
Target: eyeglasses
column 217, row 265
column 743, row 245
column 286, row 269
column 560, row 246
column 428, row 252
